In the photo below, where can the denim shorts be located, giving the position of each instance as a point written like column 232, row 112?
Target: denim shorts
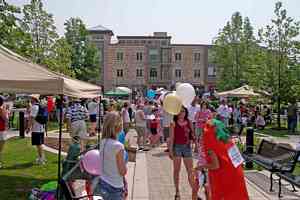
column 182, row 150
column 109, row 192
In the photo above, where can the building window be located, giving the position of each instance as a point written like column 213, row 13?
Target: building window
column 178, row 73
column 153, row 55
column 211, row 71
column 164, row 43
column 139, row 56
column 153, row 73
column 119, row 72
column 139, row 72
column 197, row 73
column 98, row 37
column 119, row 56
column 197, row 57
column 178, row 56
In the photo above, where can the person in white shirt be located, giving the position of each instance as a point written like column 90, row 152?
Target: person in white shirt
column 224, row 112
column 113, row 169
column 140, row 123
column 192, row 110
column 125, row 117
column 167, row 120
column 93, row 108
column 37, row 129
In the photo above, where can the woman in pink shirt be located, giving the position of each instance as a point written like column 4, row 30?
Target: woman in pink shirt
column 201, row 118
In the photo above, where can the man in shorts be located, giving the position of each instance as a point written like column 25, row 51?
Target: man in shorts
column 37, row 129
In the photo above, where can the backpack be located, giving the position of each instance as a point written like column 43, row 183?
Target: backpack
column 42, row 116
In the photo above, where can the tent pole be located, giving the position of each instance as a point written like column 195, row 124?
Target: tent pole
column 99, row 120
column 59, row 146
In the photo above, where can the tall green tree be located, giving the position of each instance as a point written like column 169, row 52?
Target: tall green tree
column 40, row 26
column 59, row 59
column 85, row 56
column 281, row 54
column 11, row 35
column 234, row 48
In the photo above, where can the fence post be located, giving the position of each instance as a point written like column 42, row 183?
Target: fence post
column 249, row 145
column 21, row 124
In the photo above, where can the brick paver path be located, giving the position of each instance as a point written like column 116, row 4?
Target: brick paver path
column 160, row 177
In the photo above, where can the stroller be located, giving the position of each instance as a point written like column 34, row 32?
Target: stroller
column 76, row 183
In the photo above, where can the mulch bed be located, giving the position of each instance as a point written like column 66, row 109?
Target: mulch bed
column 53, row 143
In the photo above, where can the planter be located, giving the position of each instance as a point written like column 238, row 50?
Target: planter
column 131, row 154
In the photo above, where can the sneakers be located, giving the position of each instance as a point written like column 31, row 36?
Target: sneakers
column 140, row 148
column 40, row 161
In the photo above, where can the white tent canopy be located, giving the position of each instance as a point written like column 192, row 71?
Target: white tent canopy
column 244, row 91
column 19, row 75
column 125, row 89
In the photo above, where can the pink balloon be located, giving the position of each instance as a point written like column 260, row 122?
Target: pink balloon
column 91, row 162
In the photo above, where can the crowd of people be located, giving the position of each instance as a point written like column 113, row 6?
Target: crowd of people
column 186, row 134
column 200, row 130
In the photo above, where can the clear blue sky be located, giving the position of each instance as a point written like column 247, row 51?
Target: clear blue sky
column 187, row 21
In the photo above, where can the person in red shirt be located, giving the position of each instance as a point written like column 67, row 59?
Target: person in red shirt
column 155, row 128
column 181, row 136
column 50, row 106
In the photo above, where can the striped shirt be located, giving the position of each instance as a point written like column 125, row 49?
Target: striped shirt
column 77, row 112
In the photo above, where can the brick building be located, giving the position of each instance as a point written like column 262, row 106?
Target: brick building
column 140, row 62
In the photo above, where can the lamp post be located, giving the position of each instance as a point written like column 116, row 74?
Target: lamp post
column 278, row 95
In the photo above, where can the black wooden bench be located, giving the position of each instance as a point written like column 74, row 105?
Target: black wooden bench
column 274, row 158
column 289, row 177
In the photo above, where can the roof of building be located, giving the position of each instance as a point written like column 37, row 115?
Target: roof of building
column 100, row 29
column 208, row 45
column 143, row 37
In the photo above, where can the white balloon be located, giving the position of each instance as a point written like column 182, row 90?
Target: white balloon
column 177, row 85
column 186, row 93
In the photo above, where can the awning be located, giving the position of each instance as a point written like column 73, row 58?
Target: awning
column 244, row 91
column 116, row 93
column 19, row 75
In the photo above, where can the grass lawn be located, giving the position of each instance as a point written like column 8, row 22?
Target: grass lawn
column 270, row 130
column 20, row 173
column 52, row 125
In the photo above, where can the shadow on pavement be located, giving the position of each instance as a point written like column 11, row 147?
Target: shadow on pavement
column 20, row 166
column 161, row 154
